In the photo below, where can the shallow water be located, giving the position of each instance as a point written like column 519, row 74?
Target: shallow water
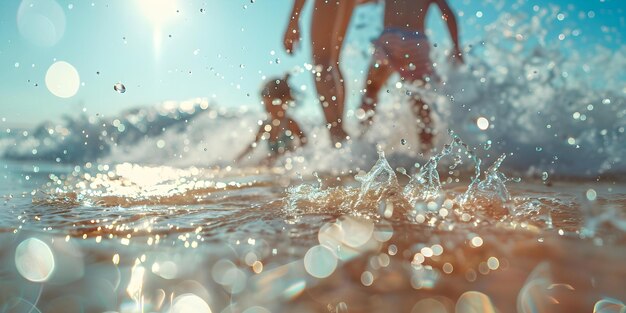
column 132, row 238
column 82, row 231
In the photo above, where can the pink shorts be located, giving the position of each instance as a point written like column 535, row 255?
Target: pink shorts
column 406, row 52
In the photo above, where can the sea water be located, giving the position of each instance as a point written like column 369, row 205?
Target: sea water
column 146, row 212
column 136, row 238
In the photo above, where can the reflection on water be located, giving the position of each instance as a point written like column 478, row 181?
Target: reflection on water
column 449, row 234
column 132, row 238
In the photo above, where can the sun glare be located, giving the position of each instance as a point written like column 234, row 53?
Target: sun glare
column 158, row 11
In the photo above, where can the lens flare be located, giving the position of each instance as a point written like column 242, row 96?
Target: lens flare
column 62, row 79
column 34, row 260
column 320, row 262
column 190, row 303
column 41, row 22
column 474, row 302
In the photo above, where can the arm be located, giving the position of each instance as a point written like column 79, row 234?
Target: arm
column 250, row 147
column 292, row 34
column 450, row 19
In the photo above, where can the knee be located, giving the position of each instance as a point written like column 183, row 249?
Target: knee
column 325, row 60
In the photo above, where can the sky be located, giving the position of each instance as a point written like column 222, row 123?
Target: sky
column 216, row 49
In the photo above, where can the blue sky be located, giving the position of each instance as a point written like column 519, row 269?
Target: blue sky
column 217, row 49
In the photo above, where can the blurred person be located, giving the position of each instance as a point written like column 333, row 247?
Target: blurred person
column 329, row 24
column 279, row 130
column 403, row 48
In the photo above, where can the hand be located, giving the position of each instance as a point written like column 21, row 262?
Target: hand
column 292, row 37
column 457, row 56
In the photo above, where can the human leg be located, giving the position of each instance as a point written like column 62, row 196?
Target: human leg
column 377, row 76
column 329, row 25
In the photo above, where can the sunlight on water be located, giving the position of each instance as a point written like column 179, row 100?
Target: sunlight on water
column 135, row 285
column 145, row 211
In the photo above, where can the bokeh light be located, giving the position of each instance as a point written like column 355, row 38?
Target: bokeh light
column 62, row 79
column 189, row 303
column 320, row 262
column 482, row 123
column 474, row 302
column 429, row 305
column 34, row 260
column 41, row 22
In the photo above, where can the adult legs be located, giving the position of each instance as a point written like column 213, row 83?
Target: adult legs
column 424, row 122
column 329, row 26
column 377, row 76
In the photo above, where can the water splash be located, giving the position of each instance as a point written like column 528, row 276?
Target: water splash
column 380, row 191
column 492, row 190
column 379, row 179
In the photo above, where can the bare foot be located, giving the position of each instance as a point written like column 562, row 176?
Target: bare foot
column 426, row 141
column 338, row 136
column 365, row 126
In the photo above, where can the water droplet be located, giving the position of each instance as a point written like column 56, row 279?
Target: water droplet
column 482, row 123
column 591, row 195
column 487, row 145
column 403, row 141
column 538, row 149
column 119, row 87
column 571, row 141
column 544, row 176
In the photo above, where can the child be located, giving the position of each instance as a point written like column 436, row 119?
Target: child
column 278, row 129
column 404, row 48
